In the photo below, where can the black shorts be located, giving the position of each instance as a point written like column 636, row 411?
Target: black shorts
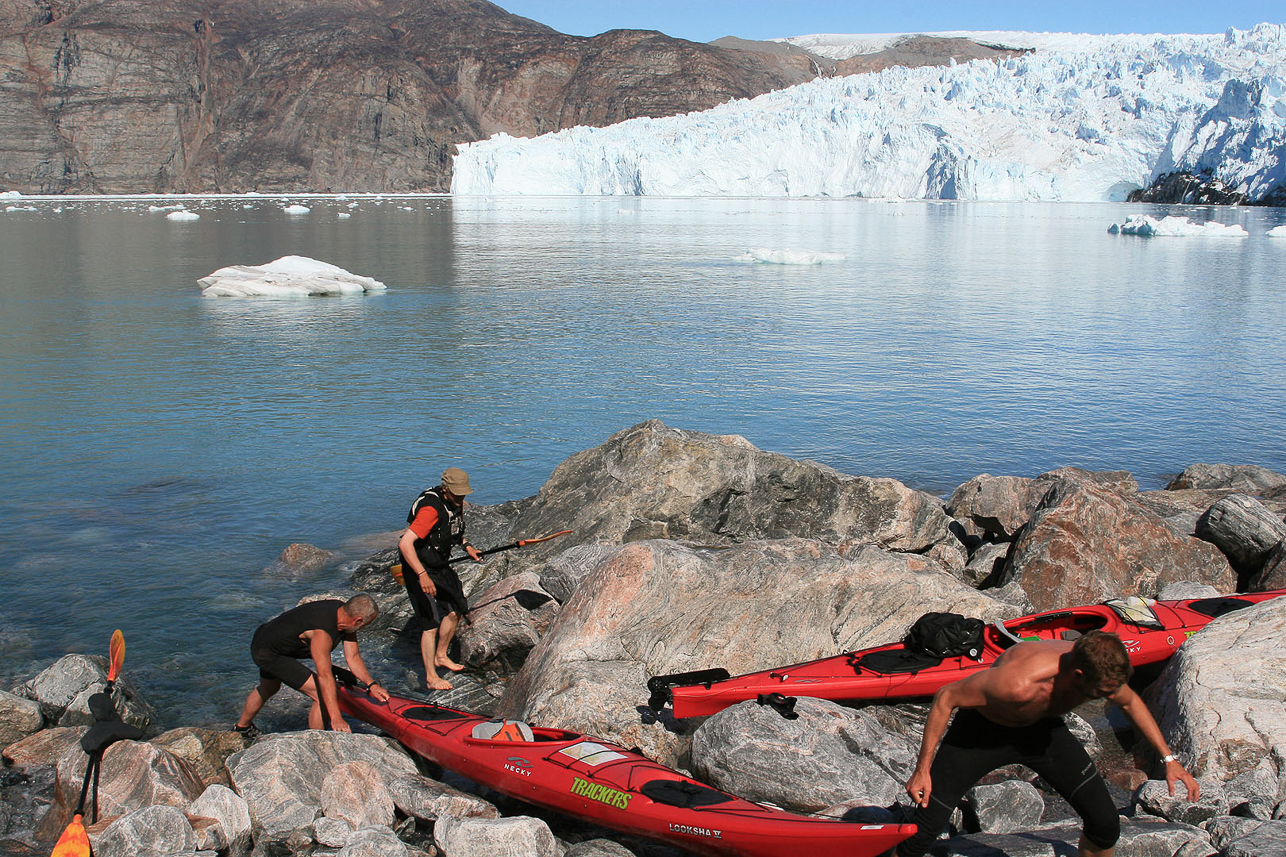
column 431, row 609
column 274, row 665
column 974, row 746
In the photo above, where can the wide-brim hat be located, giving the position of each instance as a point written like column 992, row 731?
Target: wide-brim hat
column 456, row 481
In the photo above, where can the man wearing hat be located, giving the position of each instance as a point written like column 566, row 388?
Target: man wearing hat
column 436, row 524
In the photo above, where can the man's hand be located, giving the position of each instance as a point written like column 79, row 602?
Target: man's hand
column 919, row 787
column 338, row 724
column 377, row 692
column 473, row 553
column 1175, row 772
column 426, row 583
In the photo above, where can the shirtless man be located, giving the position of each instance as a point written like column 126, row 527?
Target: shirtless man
column 1012, row 713
column 310, row 630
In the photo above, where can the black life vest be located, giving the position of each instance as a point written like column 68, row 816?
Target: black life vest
column 434, row 550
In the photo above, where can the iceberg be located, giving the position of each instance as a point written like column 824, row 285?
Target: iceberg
column 1277, row 231
column 789, row 257
column 183, row 214
column 1174, row 227
column 296, row 209
column 287, row 277
column 1082, row 118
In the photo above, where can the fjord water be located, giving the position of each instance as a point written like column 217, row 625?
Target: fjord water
column 159, row 449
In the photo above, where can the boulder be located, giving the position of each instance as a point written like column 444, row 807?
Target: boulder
column 300, row 560
column 1244, row 530
column 520, row 836
column 1086, row 543
column 598, row 848
column 656, row 482
column 1273, row 574
column 281, row 776
column 1218, row 701
column 826, row 755
column 19, row 717
column 206, row 750
column 987, row 564
column 1154, row 798
column 1179, row 590
column 1006, row 807
column 560, row 576
column 506, row 622
column 661, row 607
column 154, row 831
column 133, row 775
column 232, row 814
column 997, row 505
column 1225, row 829
column 354, row 792
column 209, row 833
column 45, row 747
column 430, row 800
column 1267, row 840
column 1139, row 838
column 1250, row 478
column 63, row 690
column 332, row 832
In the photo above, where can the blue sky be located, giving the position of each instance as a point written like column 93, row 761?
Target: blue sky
column 705, row 20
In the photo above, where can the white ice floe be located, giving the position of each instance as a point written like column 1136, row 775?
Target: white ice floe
column 287, row 277
column 166, row 207
column 788, row 257
column 1277, row 231
column 20, row 208
column 10, row 194
column 183, row 214
column 1174, row 227
column 343, row 215
column 1082, row 118
column 296, row 209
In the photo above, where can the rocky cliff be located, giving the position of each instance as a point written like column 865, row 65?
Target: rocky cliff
column 141, row 96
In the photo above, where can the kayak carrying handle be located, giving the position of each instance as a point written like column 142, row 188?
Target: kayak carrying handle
column 660, row 685
column 779, row 702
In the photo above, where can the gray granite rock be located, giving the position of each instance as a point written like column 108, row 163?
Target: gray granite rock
column 1154, row 798
column 1244, row 530
column 1267, row 840
column 19, row 717
column 506, row 622
column 154, row 831
column 355, row 792
column 1006, row 807
column 232, row 813
column 63, row 690
column 519, row 836
column 1250, row 478
column 430, row 800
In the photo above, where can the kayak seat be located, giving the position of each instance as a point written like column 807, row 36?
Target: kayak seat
column 430, row 713
column 1216, row 607
column 1071, row 635
column 683, row 793
column 896, row 661
column 503, row 730
column 1006, row 637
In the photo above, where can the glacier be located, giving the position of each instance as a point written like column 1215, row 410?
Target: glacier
column 1081, row 118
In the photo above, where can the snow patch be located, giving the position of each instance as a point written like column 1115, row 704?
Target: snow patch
column 287, row 277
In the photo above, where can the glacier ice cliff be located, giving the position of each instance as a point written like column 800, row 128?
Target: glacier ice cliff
column 1082, row 118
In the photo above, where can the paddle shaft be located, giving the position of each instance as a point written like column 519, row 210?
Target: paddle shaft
column 521, row 543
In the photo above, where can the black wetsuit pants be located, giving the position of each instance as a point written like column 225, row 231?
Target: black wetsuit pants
column 974, row 746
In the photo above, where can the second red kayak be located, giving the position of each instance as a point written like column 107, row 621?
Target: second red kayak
column 1151, row 631
column 597, row 780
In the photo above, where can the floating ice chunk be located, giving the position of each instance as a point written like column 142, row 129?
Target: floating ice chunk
column 287, row 277
column 343, row 215
column 1277, row 231
column 179, row 207
column 296, row 209
column 1174, row 227
column 183, row 214
column 10, row 194
column 20, row 208
column 789, row 257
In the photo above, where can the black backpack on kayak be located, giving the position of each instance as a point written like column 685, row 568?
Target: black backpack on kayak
column 946, row 635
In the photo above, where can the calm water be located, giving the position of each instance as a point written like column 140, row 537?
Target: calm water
column 158, row 450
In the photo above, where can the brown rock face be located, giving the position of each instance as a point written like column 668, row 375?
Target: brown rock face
column 921, row 50
column 1087, row 543
column 134, row 96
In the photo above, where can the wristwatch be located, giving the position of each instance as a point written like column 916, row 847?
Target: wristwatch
column 1170, row 758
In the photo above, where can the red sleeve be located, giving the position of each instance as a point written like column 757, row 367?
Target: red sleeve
column 425, row 520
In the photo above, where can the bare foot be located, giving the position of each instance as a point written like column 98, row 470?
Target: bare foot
column 444, row 661
column 436, row 682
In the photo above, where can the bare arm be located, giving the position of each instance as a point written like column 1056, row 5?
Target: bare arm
column 355, row 663
column 1146, row 724
column 968, row 692
column 412, row 563
column 319, row 647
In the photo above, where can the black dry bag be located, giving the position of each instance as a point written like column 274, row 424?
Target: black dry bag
column 946, row 635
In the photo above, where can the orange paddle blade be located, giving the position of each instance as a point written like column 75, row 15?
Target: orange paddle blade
column 116, row 655
column 525, row 542
column 75, row 841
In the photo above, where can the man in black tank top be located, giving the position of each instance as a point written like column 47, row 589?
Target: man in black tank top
column 311, row 630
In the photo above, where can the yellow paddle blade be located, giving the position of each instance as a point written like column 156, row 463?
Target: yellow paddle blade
column 75, row 841
column 116, row 655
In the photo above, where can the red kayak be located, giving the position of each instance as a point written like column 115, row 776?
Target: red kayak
column 601, row 782
column 1151, row 631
